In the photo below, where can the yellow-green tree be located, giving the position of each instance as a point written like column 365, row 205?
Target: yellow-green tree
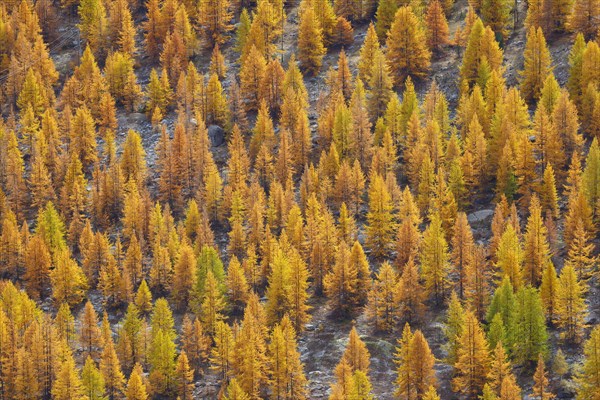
column 570, row 304
column 589, row 384
column 510, row 256
column 68, row 280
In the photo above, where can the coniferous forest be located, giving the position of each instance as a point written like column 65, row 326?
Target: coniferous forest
column 300, row 199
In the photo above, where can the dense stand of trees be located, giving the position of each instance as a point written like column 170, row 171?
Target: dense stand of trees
column 106, row 240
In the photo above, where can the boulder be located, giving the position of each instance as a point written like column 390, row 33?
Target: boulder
column 480, row 216
column 216, row 135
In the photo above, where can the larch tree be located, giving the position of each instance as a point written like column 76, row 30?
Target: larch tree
column 133, row 159
column 237, row 285
column 367, row 54
column 162, row 351
column 590, row 178
column 423, row 373
column 213, row 302
column 537, row 64
column 589, row 377
column 500, row 368
column 415, row 363
column 94, row 24
column 473, row 359
column 89, row 334
column 481, row 48
column 453, row 327
column 541, row 384
column 143, row 298
column 580, row 252
column 380, row 84
column 298, row 296
column 67, row 384
column 356, row 354
column 221, row 356
column 277, row 287
column 431, row 394
column 344, row 382
column 266, row 27
column 381, row 305
column 386, row 9
column 341, row 284
column 529, row 330
column 407, row 51
column 584, row 17
column 462, row 250
column 559, row 364
column 478, row 281
column 110, row 368
column 435, row 259
column 310, row 41
column 549, row 145
column 288, row 379
column 93, row 381
column 235, row 392
column 548, row 290
column 536, row 249
column 437, row 26
column 183, row 278
column 250, row 360
column 208, row 260
column 195, row 342
column 380, row 218
column 136, row 389
column 496, row 15
column 184, row 377
column 510, row 256
column 287, row 375
column 549, row 194
column 68, row 280
column 570, row 304
column 510, row 390
column 410, row 295
column 37, row 267
column 215, row 21
column 503, row 304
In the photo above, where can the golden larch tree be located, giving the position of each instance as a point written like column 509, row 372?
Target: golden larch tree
column 473, row 359
column 437, row 26
column 310, row 41
column 407, row 51
column 537, row 64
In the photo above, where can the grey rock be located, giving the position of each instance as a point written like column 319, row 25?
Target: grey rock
column 136, row 118
column 216, row 135
column 480, row 216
